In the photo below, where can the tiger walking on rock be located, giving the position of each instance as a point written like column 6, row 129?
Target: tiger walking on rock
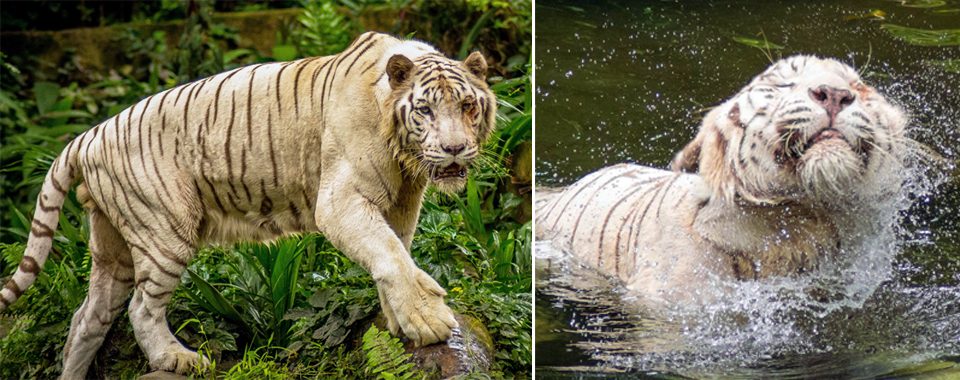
column 344, row 145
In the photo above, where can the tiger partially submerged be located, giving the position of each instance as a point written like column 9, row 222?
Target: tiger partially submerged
column 787, row 173
column 344, row 145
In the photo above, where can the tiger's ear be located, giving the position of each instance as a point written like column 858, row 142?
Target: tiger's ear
column 708, row 157
column 398, row 70
column 477, row 65
column 688, row 159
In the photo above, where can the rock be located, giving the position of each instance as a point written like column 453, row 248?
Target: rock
column 162, row 375
column 470, row 349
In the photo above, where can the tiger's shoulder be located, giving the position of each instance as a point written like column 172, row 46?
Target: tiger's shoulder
column 617, row 202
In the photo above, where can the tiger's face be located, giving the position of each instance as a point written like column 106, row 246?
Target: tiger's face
column 444, row 112
column 807, row 129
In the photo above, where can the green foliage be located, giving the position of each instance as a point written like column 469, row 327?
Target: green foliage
column 148, row 58
column 323, row 30
column 924, row 37
column 38, row 330
column 385, row 357
column 501, row 29
column 260, row 284
column 32, row 137
column 507, row 317
column 345, row 298
column 258, row 365
column 200, row 51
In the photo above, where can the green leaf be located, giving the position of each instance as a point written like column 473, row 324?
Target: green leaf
column 949, row 65
column 234, row 54
column 755, row 43
column 65, row 114
column 284, row 52
column 46, row 94
column 924, row 37
column 59, row 130
column 386, row 358
column 213, row 299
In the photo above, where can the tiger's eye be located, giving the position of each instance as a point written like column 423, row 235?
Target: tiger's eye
column 424, row 110
column 467, row 107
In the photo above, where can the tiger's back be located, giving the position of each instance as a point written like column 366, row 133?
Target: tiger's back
column 621, row 219
column 237, row 153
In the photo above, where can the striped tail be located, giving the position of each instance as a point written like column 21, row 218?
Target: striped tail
column 55, row 186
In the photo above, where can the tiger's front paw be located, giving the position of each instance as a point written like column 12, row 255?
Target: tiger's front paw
column 180, row 360
column 416, row 307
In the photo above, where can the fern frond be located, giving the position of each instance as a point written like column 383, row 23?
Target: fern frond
column 386, row 358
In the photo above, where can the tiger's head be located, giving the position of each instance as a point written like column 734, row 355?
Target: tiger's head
column 443, row 113
column 806, row 130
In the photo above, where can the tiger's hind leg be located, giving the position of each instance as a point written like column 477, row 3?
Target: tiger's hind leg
column 159, row 264
column 111, row 278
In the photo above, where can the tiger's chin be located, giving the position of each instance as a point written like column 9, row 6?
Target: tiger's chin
column 450, row 179
column 830, row 172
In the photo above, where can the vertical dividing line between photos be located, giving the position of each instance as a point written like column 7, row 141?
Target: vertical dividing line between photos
column 533, row 199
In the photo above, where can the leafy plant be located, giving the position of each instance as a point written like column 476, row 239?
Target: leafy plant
column 323, row 30
column 262, row 286
column 258, row 364
column 385, row 356
column 200, row 51
column 148, row 58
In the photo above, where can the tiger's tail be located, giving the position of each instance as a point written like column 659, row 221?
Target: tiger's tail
column 57, row 183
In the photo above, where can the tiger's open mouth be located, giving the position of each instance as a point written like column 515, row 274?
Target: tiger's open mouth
column 450, row 171
column 794, row 149
column 823, row 135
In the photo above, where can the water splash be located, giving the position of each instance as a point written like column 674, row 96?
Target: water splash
column 644, row 73
column 858, row 307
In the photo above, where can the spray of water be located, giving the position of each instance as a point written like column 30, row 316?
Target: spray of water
column 847, row 306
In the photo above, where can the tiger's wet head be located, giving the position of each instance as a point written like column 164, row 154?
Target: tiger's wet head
column 443, row 113
column 806, row 130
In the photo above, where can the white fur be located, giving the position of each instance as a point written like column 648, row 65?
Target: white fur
column 251, row 154
column 751, row 211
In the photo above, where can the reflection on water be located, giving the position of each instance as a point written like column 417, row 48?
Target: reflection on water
column 626, row 81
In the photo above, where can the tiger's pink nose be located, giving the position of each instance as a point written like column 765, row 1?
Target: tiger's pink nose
column 832, row 99
column 453, row 149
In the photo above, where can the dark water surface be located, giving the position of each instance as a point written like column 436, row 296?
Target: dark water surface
column 628, row 81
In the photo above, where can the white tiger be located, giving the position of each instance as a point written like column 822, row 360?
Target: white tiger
column 343, row 144
column 803, row 154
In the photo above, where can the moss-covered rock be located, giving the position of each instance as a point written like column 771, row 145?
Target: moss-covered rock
column 469, row 350
column 98, row 49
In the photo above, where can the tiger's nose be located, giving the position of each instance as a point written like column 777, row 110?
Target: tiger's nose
column 832, row 99
column 454, row 149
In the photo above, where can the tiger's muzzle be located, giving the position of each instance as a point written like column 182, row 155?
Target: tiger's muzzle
column 827, row 128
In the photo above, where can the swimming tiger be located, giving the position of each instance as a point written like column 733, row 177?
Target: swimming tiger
column 344, row 145
column 771, row 185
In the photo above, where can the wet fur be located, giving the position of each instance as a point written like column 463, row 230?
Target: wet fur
column 750, row 196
